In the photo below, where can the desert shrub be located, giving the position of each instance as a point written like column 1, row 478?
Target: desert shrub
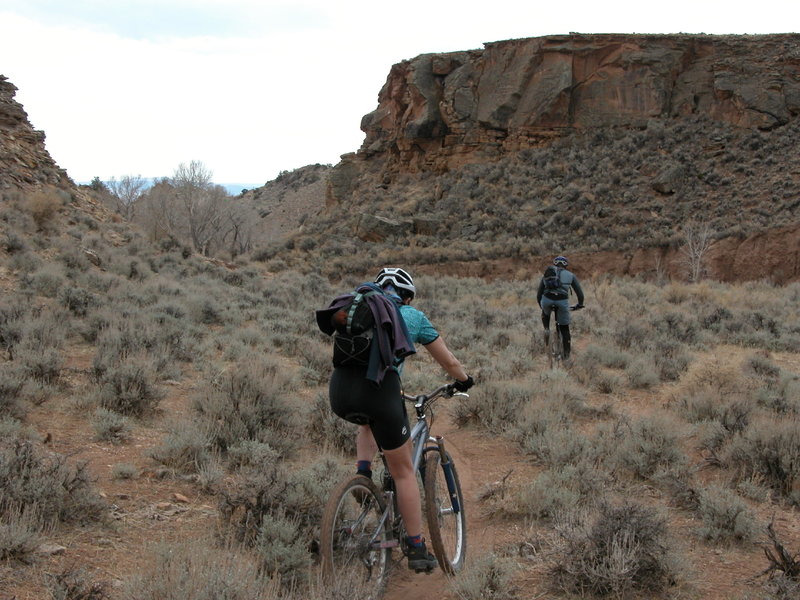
column 76, row 299
column 552, row 440
column 642, row 374
column 652, row 445
column 20, row 535
column 761, row 366
column 46, row 281
column 326, row 428
column 13, row 312
column 768, row 449
column 129, row 389
column 250, row 454
column 282, row 550
column 608, row 356
column 618, row 551
column 781, row 396
column 43, row 206
column 316, row 360
column 557, row 491
column 159, row 337
column 607, row 383
column 75, row 584
column 124, row 471
column 496, row 408
column 199, row 571
column 490, row 577
column 725, row 516
column 110, row 426
column 249, row 403
column 185, row 448
column 671, row 359
column 38, row 349
column 47, row 484
column 12, row 381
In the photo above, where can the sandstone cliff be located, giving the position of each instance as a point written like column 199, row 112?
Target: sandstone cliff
column 606, row 147
column 24, row 161
column 440, row 110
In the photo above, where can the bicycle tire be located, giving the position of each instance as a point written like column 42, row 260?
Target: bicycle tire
column 351, row 517
column 447, row 528
column 556, row 348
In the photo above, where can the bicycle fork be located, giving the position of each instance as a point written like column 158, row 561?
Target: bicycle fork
column 447, row 468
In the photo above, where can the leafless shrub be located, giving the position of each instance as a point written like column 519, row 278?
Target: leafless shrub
column 74, row 584
column 45, row 483
column 618, row 551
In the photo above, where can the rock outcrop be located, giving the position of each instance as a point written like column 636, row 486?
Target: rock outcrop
column 439, row 111
column 24, row 162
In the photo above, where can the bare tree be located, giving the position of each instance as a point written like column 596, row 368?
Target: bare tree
column 127, row 192
column 699, row 238
column 238, row 231
column 202, row 201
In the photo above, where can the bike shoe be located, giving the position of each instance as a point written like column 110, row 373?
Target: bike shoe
column 420, row 560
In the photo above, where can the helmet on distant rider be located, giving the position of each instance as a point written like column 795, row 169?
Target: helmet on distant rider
column 399, row 278
column 560, row 261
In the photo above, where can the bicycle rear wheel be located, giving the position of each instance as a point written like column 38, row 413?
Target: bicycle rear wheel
column 555, row 351
column 352, row 538
column 444, row 508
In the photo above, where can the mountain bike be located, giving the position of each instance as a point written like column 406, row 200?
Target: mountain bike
column 361, row 524
column 554, row 346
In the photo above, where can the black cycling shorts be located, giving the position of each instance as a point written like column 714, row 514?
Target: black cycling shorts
column 358, row 400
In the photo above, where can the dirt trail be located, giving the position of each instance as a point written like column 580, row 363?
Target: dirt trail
column 480, row 460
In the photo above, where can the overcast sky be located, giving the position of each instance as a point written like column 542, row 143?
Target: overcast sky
column 255, row 87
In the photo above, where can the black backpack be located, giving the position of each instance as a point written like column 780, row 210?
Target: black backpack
column 553, row 286
column 354, row 327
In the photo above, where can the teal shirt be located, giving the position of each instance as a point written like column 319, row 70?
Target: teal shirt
column 420, row 328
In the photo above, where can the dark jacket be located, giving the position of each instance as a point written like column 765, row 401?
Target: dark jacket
column 392, row 340
column 568, row 280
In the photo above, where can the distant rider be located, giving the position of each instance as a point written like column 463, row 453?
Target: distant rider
column 558, row 300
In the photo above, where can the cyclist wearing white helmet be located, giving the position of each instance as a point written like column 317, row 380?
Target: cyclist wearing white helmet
column 557, row 298
column 382, row 417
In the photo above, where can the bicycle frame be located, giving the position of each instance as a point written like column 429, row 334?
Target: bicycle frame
column 366, row 531
column 422, row 442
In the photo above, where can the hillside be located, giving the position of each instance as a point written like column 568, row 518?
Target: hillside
column 605, row 147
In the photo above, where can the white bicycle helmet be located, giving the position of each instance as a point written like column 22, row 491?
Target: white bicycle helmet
column 398, row 278
column 560, row 261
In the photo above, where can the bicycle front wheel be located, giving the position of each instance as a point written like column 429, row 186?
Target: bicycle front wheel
column 353, row 540
column 444, row 507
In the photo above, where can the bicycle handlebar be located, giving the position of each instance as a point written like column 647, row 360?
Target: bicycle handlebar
column 447, row 390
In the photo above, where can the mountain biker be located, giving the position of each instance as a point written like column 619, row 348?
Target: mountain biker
column 558, row 300
column 380, row 412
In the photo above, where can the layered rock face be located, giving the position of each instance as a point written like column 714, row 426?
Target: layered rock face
column 439, row 111
column 24, row 161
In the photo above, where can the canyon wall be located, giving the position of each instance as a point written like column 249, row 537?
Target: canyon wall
column 438, row 111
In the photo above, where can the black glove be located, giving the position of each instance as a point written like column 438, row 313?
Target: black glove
column 463, row 386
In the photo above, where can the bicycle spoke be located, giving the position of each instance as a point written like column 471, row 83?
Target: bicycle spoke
column 353, row 538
